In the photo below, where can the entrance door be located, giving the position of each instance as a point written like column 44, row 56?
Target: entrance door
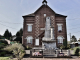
column 37, row 42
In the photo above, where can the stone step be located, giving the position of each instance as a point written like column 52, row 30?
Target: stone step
column 48, row 53
column 50, row 56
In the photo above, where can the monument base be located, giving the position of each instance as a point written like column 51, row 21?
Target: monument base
column 49, row 44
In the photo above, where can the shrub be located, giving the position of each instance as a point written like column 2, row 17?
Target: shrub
column 17, row 49
column 76, row 51
column 27, row 47
column 4, row 53
column 68, row 46
column 62, row 47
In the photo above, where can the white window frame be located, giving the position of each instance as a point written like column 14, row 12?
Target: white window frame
column 59, row 27
column 37, row 42
column 60, row 39
column 29, row 27
column 29, row 41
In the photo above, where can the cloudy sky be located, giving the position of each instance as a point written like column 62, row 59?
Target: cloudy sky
column 11, row 12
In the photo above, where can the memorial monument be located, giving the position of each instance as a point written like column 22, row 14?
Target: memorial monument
column 48, row 41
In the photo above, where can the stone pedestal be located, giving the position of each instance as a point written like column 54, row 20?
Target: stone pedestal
column 49, row 45
column 68, row 53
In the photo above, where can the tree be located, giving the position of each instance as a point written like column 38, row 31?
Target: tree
column 76, row 51
column 18, row 39
column 0, row 36
column 20, row 32
column 10, row 35
column 17, row 49
column 19, row 36
column 7, row 34
column 73, row 39
column 65, row 43
column 3, row 43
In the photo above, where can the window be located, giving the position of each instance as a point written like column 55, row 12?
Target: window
column 37, row 42
column 29, row 39
column 29, row 28
column 44, row 15
column 59, row 27
column 60, row 39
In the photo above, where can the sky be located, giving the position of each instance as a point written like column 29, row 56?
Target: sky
column 11, row 12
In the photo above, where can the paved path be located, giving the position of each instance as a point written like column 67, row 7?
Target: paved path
column 50, row 59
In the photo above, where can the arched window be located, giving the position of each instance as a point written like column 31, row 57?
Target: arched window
column 60, row 39
column 29, row 39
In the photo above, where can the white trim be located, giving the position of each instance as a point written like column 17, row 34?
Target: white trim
column 59, row 24
column 28, row 36
column 29, row 24
column 60, row 27
column 60, row 36
column 42, row 28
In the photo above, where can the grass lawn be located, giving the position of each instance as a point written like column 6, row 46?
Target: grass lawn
column 5, row 58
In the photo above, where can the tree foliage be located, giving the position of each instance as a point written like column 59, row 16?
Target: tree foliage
column 20, row 32
column 73, row 39
column 7, row 34
column 76, row 51
column 19, row 36
column 65, row 43
column 3, row 43
column 0, row 36
column 17, row 49
column 18, row 39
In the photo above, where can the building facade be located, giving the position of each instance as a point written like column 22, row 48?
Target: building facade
column 34, row 26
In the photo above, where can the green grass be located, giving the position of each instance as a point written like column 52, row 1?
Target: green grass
column 5, row 58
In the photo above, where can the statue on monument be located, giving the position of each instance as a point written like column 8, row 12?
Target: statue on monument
column 49, row 30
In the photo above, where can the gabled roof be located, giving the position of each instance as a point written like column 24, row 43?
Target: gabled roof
column 29, row 15
column 33, row 14
column 60, row 15
column 43, row 6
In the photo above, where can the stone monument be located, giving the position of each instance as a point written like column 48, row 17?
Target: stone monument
column 48, row 41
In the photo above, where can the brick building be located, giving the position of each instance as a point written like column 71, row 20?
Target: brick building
column 34, row 26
